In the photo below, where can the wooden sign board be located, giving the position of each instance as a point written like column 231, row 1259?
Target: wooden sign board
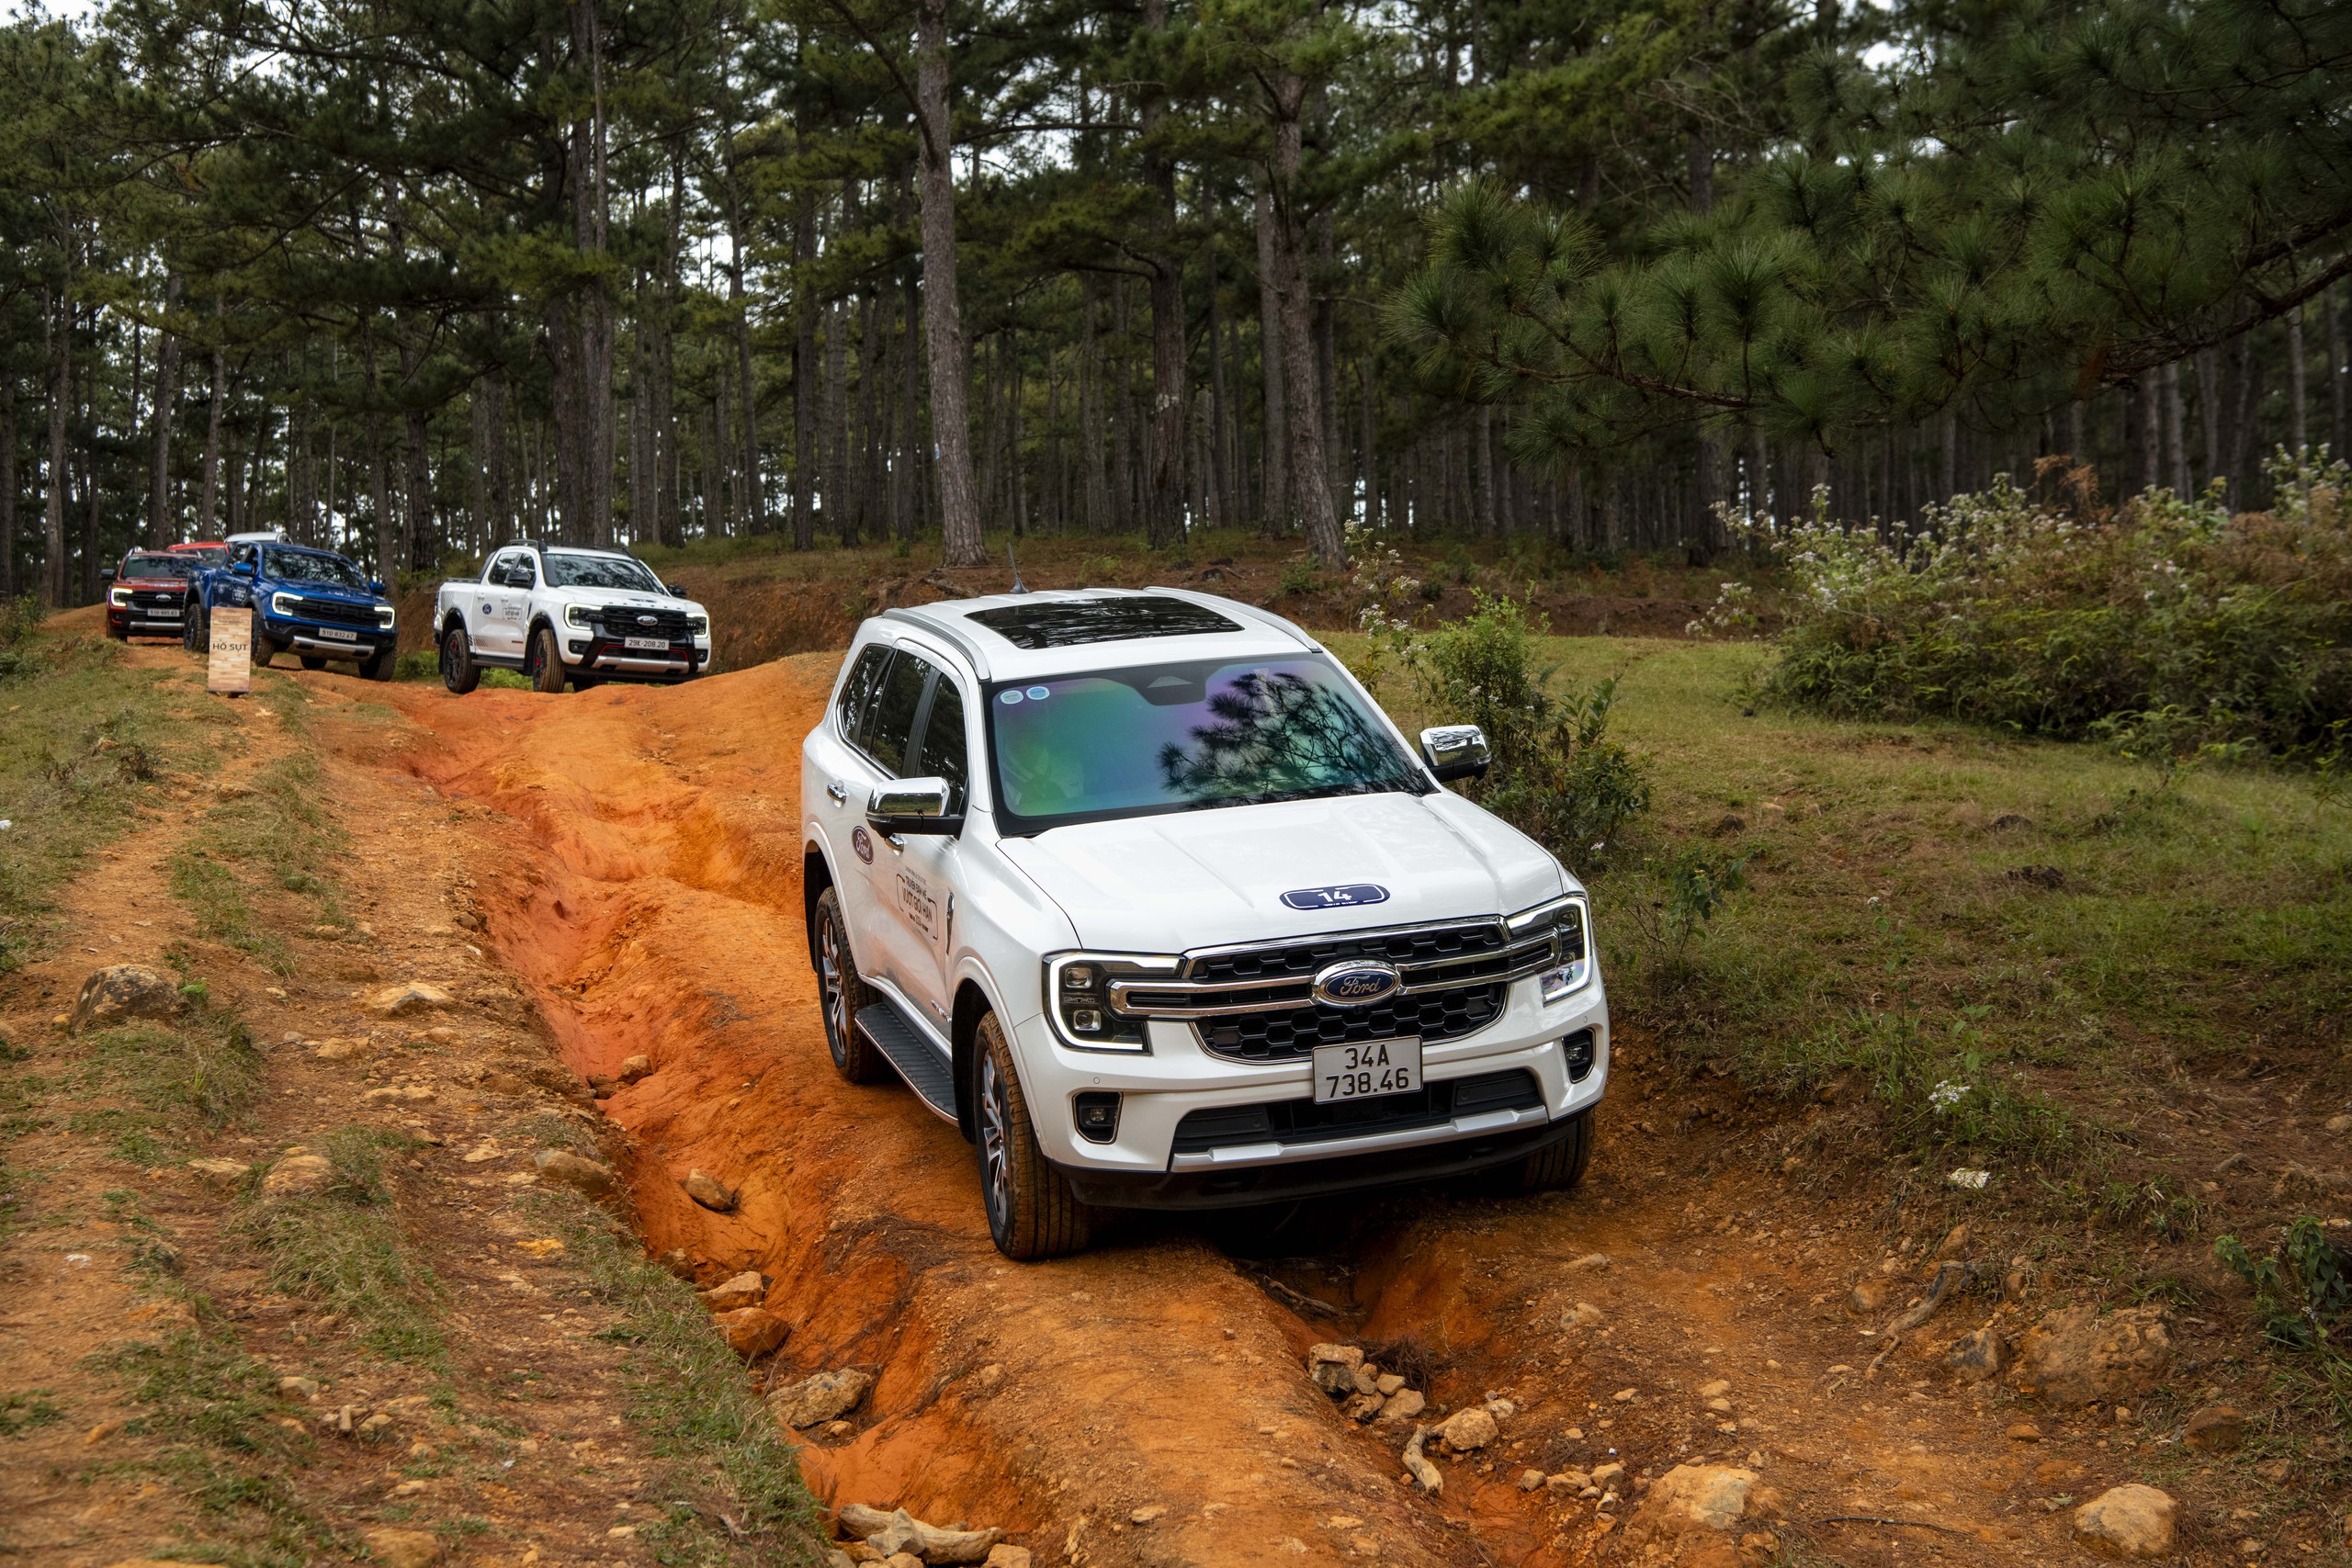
column 231, row 670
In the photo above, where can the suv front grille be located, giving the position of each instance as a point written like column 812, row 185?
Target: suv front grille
column 342, row 611
column 1256, row 1003
column 1304, row 1121
column 620, row 620
column 157, row 598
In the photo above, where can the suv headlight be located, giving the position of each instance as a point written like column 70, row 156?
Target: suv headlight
column 283, row 604
column 117, row 597
column 698, row 626
column 1569, row 922
column 1079, row 1002
column 580, row 615
column 384, row 614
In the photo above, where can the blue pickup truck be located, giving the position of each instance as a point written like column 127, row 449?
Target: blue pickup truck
column 313, row 603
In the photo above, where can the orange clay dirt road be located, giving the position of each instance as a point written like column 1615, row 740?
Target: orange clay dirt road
column 638, row 867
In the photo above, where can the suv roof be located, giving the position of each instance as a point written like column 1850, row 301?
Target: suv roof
column 1015, row 636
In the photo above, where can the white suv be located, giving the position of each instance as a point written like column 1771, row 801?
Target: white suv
column 1145, row 893
column 558, row 612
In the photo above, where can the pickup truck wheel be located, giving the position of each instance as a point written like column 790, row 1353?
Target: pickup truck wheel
column 1556, row 1168
column 843, row 994
column 381, row 667
column 312, row 661
column 545, row 666
column 459, row 671
column 195, row 635
column 1032, row 1212
column 264, row 649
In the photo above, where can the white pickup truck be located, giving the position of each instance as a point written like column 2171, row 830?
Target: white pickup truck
column 558, row 612
column 1145, row 893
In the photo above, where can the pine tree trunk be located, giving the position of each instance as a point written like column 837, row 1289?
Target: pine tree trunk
column 1221, row 457
column 747, row 379
column 1123, row 416
column 1370, row 460
column 1310, row 483
column 951, row 433
column 838, row 510
column 60, row 398
column 2176, row 437
column 416, row 476
column 804, row 373
column 914, row 494
column 2209, row 408
column 1164, row 480
column 1091, row 433
column 208, row 505
column 1482, row 470
column 7, row 487
column 160, row 531
column 2298, row 398
column 872, row 419
column 2339, row 419
column 1273, row 482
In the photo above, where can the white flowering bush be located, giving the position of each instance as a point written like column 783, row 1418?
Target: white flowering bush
column 2168, row 627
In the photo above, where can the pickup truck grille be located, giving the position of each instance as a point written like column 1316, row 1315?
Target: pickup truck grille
column 342, row 611
column 1256, row 1003
column 157, row 598
column 620, row 620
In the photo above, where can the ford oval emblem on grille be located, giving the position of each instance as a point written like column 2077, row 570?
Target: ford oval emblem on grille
column 645, row 620
column 1357, row 983
column 1345, row 896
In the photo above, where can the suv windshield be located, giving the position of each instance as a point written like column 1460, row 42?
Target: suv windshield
column 301, row 566
column 568, row 570
column 1182, row 736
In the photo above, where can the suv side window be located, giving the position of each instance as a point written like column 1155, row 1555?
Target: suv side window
column 889, row 729
column 863, row 676
column 943, row 738
column 242, row 552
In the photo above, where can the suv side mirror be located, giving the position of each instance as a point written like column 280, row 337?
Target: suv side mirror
column 915, row 806
column 243, row 569
column 673, row 589
column 520, row 577
column 105, row 574
column 1455, row 752
column 376, row 586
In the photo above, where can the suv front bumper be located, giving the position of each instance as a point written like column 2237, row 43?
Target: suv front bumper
column 1147, row 1164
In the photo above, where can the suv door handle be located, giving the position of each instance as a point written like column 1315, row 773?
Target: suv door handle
column 840, row 794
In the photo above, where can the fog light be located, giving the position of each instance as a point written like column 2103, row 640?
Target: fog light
column 1098, row 1116
column 1078, row 977
column 579, row 648
column 1086, row 1020
column 1558, row 982
column 1580, row 1052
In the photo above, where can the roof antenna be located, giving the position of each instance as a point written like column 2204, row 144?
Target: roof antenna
column 1018, row 586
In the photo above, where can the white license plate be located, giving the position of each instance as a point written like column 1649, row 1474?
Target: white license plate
column 160, row 615
column 650, row 644
column 1366, row 1071
column 341, row 633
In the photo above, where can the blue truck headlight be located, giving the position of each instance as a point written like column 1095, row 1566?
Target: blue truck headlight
column 384, row 614
column 283, row 604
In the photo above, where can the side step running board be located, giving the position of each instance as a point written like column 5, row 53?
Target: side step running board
column 931, row 1079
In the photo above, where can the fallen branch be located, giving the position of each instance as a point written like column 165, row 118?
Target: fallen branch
column 1887, row 1519
column 1949, row 1278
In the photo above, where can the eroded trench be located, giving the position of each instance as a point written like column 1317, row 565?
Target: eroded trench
column 640, row 871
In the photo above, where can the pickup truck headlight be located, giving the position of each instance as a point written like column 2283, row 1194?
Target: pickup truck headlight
column 698, row 626
column 578, row 614
column 119, row 597
column 1569, row 922
column 384, row 614
column 1078, row 997
column 283, row 604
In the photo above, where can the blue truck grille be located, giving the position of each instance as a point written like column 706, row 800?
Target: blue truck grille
column 342, row 611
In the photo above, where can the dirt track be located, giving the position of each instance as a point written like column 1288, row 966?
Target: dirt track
column 638, row 871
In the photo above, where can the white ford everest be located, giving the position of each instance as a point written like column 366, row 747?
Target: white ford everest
column 1144, row 892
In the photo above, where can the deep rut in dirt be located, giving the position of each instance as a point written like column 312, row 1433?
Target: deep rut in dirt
column 640, row 872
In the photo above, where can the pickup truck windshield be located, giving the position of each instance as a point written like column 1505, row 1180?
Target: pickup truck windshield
column 300, row 566
column 1183, row 737
column 156, row 566
column 568, row 570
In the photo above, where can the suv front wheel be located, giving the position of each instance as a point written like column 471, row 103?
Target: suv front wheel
column 1032, row 1212
column 1556, row 1167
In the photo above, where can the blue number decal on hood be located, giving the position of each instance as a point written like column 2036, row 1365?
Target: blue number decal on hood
column 1343, row 896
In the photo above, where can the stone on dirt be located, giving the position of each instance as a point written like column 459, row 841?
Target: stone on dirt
column 2074, row 1357
column 1867, row 1299
column 1530, row 1480
column 744, row 1289
column 1974, row 1358
column 2215, row 1429
column 1594, row 1261
column 1404, row 1404
column 2132, row 1521
column 403, row 1000
column 750, row 1331
column 122, row 992
column 1387, row 1383
column 1584, row 1315
column 709, row 1191
column 1696, row 1497
column 1146, row 1514
column 557, row 1168
column 1333, row 1368
column 820, row 1397
column 899, row 1533
column 296, row 1387
column 634, row 1068
column 1361, row 1406
column 404, row 1548
column 221, row 1175
column 1006, row 1555
column 297, row 1176
column 1469, row 1429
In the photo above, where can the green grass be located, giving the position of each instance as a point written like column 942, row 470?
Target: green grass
column 689, row 1398
column 29, row 1411
column 85, row 747
column 176, row 1082
column 344, row 1248
column 1881, row 948
column 273, row 835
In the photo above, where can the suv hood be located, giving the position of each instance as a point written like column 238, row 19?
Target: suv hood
column 1170, row 882
column 623, row 598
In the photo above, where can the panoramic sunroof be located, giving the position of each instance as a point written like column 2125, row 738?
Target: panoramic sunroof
column 1065, row 623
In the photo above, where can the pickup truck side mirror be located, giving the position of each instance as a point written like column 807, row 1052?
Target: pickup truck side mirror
column 674, row 590
column 915, row 806
column 105, row 574
column 376, row 586
column 519, row 577
column 243, row 569
column 1455, row 752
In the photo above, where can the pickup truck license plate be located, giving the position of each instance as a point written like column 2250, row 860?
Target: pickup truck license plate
column 1367, row 1071
column 650, row 644
column 341, row 633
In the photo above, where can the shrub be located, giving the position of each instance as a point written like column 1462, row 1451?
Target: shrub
column 2171, row 626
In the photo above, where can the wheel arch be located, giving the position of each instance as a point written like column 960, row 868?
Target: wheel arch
column 972, row 1004
column 816, row 876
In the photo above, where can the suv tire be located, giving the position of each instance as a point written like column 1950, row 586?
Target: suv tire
column 545, row 665
column 459, row 671
column 841, row 994
column 263, row 649
column 1032, row 1212
column 312, row 661
column 383, row 667
column 1556, row 1168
